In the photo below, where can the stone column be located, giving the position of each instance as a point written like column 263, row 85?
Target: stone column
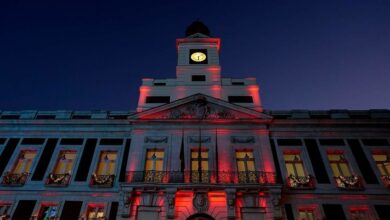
column 170, row 198
column 125, row 203
column 231, row 203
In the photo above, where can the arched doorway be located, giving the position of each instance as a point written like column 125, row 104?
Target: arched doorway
column 200, row 216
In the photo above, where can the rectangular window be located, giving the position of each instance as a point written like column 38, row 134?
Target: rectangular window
column 294, row 164
column 10, row 117
column 246, row 166
column 65, row 162
column 339, row 164
column 240, row 99
column 46, row 212
column 105, row 172
column 296, row 174
column 306, row 214
column 200, row 166
column 359, row 214
column 157, row 99
column 382, row 161
column 21, row 168
column 198, row 78
column 342, row 173
column 24, row 162
column 62, row 170
column 95, row 212
column 45, row 117
column 71, row 210
column 81, row 117
column 107, row 163
column 154, row 165
column 5, row 210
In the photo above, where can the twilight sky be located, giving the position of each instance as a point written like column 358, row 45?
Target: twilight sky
column 92, row 55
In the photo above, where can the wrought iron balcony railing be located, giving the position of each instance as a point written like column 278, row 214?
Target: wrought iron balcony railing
column 353, row 182
column 102, row 180
column 201, row 177
column 300, row 182
column 15, row 179
column 386, row 180
column 58, row 179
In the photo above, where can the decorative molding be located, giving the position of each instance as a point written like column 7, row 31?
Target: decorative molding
column 201, row 202
column 200, row 109
column 197, row 139
column 156, row 139
column 242, row 139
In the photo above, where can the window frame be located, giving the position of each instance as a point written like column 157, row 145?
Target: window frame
column 38, row 208
column 76, row 163
column 338, row 163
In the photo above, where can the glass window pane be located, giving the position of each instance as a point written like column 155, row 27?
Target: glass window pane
column 300, row 170
column 251, row 166
column 28, row 166
column 194, row 165
column 112, row 168
column 387, row 168
column 149, row 165
column 60, row 167
column 159, row 154
column 345, row 169
column 240, row 154
column 159, row 165
column 333, row 157
column 288, row 157
column 335, row 169
column 290, row 169
column 380, row 157
column 240, row 166
column 205, row 165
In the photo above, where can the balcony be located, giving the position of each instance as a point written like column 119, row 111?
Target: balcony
column 102, row 180
column 386, row 180
column 201, row 177
column 353, row 182
column 300, row 182
column 15, row 179
column 58, row 179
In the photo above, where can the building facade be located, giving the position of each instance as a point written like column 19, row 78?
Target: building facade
column 198, row 146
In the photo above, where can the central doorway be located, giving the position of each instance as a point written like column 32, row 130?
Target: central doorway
column 200, row 216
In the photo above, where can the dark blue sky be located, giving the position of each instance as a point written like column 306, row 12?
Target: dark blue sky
column 89, row 55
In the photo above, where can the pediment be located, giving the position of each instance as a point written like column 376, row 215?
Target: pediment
column 200, row 107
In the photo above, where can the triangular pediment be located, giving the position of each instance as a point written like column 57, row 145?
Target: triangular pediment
column 200, row 107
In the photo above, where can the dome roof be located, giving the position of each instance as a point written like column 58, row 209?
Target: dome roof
column 197, row 27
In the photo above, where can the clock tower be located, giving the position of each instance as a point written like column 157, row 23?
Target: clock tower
column 198, row 72
column 198, row 56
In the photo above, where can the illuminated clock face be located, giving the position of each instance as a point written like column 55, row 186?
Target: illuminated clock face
column 198, row 57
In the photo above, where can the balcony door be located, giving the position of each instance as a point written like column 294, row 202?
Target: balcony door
column 154, row 165
column 246, row 167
